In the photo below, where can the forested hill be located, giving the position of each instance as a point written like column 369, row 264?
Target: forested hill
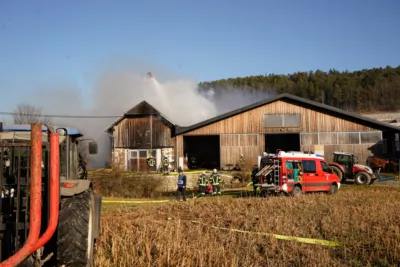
column 375, row 89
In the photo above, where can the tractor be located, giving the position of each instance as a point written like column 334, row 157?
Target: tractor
column 345, row 166
column 49, row 214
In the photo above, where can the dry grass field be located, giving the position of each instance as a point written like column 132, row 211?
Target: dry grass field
column 365, row 219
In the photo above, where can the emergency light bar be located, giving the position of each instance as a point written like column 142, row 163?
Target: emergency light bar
column 296, row 154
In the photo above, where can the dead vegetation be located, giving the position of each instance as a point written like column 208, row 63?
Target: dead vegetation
column 119, row 184
column 366, row 221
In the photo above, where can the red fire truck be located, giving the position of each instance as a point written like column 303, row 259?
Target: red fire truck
column 295, row 172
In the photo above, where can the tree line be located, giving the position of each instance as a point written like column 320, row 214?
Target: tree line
column 376, row 89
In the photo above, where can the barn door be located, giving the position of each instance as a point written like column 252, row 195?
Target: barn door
column 133, row 161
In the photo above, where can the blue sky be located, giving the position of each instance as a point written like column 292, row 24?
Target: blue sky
column 73, row 41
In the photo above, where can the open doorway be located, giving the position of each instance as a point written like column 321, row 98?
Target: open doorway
column 284, row 141
column 204, row 149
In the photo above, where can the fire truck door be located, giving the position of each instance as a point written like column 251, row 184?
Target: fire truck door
column 311, row 177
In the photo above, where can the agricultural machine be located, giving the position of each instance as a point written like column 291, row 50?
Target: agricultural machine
column 49, row 215
column 345, row 166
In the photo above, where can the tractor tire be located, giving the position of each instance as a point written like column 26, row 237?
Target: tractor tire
column 362, row 178
column 339, row 173
column 75, row 242
column 334, row 189
column 296, row 192
column 82, row 172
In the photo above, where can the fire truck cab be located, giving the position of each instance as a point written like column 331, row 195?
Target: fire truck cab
column 295, row 172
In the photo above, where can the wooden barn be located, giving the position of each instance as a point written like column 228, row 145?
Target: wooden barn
column 140, row 132
column 285, row 122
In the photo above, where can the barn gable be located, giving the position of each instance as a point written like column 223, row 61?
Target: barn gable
column 142, row 110
column 331, row 113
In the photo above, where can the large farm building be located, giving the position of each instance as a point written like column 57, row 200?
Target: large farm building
column 285, row 122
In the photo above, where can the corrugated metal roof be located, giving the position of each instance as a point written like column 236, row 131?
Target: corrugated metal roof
column 297, row 101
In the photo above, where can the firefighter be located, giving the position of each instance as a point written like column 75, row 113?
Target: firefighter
column 165, row 163
column 203, row 183
column 181, row 190
column 151, row 162
column 254, row 179
column 215, row 180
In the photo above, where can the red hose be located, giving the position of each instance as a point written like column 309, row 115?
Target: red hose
column 35, row 200
column 54, row 191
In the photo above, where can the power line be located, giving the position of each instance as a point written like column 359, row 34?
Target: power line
column 59, row 116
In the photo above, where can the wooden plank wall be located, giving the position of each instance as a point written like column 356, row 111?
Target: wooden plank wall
column 135, row 133
column 234, row 145
column 253, row 121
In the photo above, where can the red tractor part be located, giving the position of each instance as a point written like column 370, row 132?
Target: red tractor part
column 33, row 241
column 54, row 191
column 345, row 166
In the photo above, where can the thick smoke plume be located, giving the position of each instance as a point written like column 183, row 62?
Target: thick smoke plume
column 115, row 92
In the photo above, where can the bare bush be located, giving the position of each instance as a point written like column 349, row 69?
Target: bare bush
column 29, row 114
column 117, row 183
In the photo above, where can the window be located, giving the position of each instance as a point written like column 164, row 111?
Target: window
column 309, row 166
column 273, row 120
column 348, row 138
column 153, row 153
column 134, row 154
column 92, row 148
column 325, row 167
column 143, row 154
column 282, row 120
column 370, row 137
column 291, row 120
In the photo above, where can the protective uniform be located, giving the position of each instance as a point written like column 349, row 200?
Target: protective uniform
column 181, row 186
column 215, row 180
column 254, row 179
column 203, row 183
column 151, row 162
column 165, row 163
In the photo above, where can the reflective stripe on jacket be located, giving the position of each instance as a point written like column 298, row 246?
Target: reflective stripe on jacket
column 215, row 179
column 203, row 180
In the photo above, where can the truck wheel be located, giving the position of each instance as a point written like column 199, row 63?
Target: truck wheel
column 339, row 173
column 334, row 189
column 362, row 178
column 75, row 242
column 296, row 192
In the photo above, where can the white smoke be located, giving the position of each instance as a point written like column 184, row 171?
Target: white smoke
column 177, row 99
column 229, row 98
column 115, row 92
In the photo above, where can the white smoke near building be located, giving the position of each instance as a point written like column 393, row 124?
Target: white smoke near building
column 115, row 92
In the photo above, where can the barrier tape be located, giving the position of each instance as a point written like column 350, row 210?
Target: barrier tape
column 283, row 237
column 312, row 241
column 134, row 201
column 186, row 172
